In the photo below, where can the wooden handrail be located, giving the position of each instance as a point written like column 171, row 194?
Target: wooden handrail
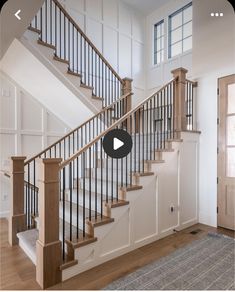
column 123, row 118
column 88, row 40
column 5, row 173
column 8, row 175
column 194, row 83
column 74, row 130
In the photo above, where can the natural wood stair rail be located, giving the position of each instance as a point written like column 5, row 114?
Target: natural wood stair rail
column 121, row 120
column 8, row 175
column 76, row 129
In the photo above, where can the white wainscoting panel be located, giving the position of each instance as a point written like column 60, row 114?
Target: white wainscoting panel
column 26, row 128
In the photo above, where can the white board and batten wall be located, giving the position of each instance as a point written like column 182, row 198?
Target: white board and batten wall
column 26, row 128
column 117, row 30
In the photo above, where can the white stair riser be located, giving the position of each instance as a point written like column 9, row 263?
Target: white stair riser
column 87, row 200
column 109, row 186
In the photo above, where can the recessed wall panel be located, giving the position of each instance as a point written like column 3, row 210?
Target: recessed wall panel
column 31, row 114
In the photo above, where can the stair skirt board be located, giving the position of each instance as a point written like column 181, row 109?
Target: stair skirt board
column 60, row 68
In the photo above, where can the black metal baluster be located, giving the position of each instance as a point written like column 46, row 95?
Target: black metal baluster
column 29, row 194
column 46, row 20
column 154, row 128
column 84, row 192
column 65, row 38
column 50, row 20
column 143, row 131
column 139, row 135
column 60, row 35
column 101, row 179
column 41, row 23
column 192, row 106
column 96, row 168
column 107, row 170
column 55, row 29
column 63, row 216
column 70, row 203
column 161, row 145
column 89, row 183
column 77, row 191
column 164, row 115
column 34, row 187
column 130, row 170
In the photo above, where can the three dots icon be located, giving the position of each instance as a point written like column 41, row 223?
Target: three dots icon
column 217, row 14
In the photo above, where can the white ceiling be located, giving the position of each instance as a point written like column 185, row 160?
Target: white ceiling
column 146, row 6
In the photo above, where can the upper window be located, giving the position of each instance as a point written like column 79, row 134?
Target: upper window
column 180, row 31
column 158, row 42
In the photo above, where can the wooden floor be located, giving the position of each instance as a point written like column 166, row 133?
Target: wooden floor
column 18, row 272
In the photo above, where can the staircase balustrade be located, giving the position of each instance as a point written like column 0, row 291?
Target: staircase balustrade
column 59, row 31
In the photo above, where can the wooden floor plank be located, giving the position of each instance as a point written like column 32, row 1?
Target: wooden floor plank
column 18, row 272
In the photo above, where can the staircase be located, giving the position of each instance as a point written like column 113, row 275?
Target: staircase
column 73, row 206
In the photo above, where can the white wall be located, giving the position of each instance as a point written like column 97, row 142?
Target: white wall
column 213, row 57
column 26, row 127
column 158, row 75
column 117, row 30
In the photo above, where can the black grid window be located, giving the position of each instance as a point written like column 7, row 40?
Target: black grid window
column 180, row 31
column 159, row 42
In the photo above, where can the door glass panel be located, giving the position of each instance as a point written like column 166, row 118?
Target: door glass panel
column 231, row 98
column 231, row 130
column 230, row 162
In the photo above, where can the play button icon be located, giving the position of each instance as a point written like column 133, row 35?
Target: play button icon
column 117, row 143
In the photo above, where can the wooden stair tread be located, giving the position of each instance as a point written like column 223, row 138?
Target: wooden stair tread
column 79, row 239
column 74, row 73
column 40, row 42
column 97, row 97
column 60, row 60
column 147, row 173
column 164, row 150
column 155, row 161
column 34, row 29
column 116, row 203
column 86, row 86
column 174, row 140
column 100, row 220
column 130, row 188
column 67, row 264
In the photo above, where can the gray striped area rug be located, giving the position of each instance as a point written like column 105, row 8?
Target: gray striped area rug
column 205, row 264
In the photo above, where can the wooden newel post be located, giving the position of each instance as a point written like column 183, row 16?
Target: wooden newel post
column 48, row 246
column 17, row 217
column 180, row 121
column 127, row 87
